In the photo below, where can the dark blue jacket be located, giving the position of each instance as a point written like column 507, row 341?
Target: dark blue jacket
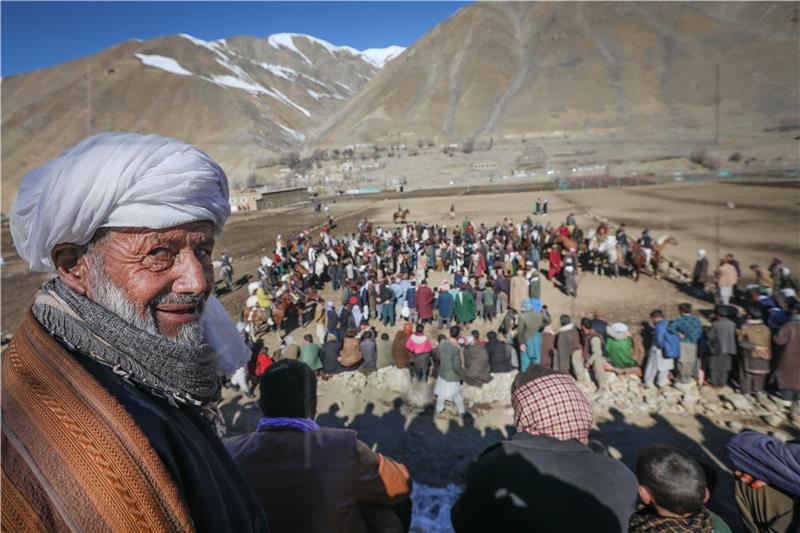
column 768, row 459
column 445, row 304
column 411, row 297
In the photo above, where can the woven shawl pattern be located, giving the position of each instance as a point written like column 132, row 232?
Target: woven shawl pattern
column 71, row 452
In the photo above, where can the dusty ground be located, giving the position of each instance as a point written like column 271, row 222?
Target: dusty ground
column 763, row 224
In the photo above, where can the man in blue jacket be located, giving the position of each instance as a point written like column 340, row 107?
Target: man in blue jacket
column 768, row 485
column 445, row 304
column 663, row 352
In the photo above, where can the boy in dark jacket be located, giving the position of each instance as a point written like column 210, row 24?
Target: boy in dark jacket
column 672, row 487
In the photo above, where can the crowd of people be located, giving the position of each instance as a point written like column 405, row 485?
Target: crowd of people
column 111, row 385
column 491, row 277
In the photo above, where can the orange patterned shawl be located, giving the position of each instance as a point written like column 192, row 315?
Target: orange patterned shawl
column 72, row 457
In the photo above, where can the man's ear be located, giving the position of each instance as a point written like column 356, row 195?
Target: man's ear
column 71, row 265
column 707, row 496
column 645, row 495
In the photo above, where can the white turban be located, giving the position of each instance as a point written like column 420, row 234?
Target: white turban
column 115, row 180
column 125, row 180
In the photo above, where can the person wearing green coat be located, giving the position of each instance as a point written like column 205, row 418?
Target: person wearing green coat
column 465, row 306
column 309, row 353
column 619, row 346
column 535, row 286
column 451, row 372
column 489, row 302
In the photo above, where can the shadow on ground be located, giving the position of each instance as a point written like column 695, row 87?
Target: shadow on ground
column 438, row 457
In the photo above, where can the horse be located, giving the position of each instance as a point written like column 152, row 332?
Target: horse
column 604, row 255
column 400, row 215
column 256, row 317
column 638, row 258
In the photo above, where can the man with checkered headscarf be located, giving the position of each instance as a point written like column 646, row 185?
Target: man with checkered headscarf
column 546, row 477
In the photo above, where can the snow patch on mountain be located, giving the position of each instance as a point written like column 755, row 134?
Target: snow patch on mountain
column 345, row 87
column 214, row 46
column 227, row 80
column 163, row 63
column 296, row 135
column 377, row 57
column 285, row 40
column 282, row 72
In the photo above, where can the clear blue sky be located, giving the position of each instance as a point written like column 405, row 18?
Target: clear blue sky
column 42, row 34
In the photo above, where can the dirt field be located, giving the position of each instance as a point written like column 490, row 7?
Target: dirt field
column 762, row 223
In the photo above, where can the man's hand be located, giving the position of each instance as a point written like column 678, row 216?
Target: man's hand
column 747, row 479
column 522, row 348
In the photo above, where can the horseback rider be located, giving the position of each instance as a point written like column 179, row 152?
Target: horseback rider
column 646, row 242
column 622, row 240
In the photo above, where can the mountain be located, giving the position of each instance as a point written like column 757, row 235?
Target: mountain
column 242, row 99
column 592, row 69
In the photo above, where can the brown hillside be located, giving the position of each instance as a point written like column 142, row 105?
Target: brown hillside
column 241, row 99
column 608, row 70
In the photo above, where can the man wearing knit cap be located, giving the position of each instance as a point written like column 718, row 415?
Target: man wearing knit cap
column 111, row 382
column 546, row 477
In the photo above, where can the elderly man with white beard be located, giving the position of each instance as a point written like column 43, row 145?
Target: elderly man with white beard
column 111, row 382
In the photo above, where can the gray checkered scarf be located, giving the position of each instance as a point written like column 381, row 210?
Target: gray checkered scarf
column 178, row 372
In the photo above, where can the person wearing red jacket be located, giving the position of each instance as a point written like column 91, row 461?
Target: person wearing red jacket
column 424, row 302
column 555, row 262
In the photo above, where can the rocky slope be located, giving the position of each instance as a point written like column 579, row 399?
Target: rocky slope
column 611, row 71
column 241, row 99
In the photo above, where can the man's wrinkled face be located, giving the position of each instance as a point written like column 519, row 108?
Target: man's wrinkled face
column 156, row 279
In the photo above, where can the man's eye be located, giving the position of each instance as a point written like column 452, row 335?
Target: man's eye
column 203, row 254
column 160, row 253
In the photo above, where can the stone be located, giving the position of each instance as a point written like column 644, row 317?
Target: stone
column 614, row 453
column 735, row 426
column 689, row 401
column 781, row 435
column 420, row 394
column 780, row 401
column 396, row 379
column 739, row 402
column 775, row 420
column 357, row 381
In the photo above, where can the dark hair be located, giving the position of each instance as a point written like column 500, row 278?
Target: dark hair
column 565, row 319
column 367, row 334
column 475, row 333
column 455, row 331
column 441, row 339
column 754, row 311
column 685, row 307
column 350, row 332
column 656, row 313
column 676, row 481
column 385, row 336
column 586, row 323
column 288, row 389
column 420, row 327
column 492, row 336
column 308, row 337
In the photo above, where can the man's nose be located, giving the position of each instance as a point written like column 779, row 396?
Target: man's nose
column 191, row 275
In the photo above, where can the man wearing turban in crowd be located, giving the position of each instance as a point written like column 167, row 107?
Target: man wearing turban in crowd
column 110, row 384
